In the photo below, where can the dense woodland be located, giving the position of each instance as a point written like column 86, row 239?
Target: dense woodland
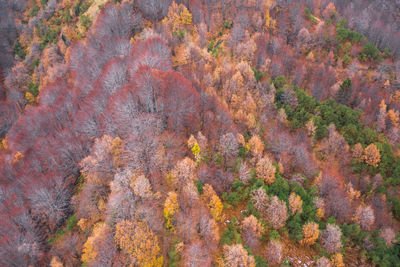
column 199, row 133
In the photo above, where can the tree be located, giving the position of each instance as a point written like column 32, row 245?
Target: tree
column 329, row 11
column 275, row 252
column 196, row 254
column 229, row 146
column 216, row 207
column 337, row 260
column 99, row 164
column 178, row 18
column 99, row 247
column 371, row 155
column 260, row 200
column 55, row 262
column 50, row 203
column 265, row 170
column 365, row 217
column 388, row 235
column 117, row 150
column 236, row 255
column 256, row 146
column 244, row 173
column 208, row 231
column 141, row 186
column 345, row 92
column 184, row 171
column 153, row 9
column 295, row 203
column 370, row 52
column 357, row 152
column 311, row 128
column 213, row 202
column 277, row 213
column 8, row 115
column 381, row 118
column 139, row 243
column 311, row 233
column 170, row 209
column 194, row 147
column 351, row 192
column 331, row 238
column 117, row 21
column 323, row 262
column 252, row 230
column 336, row 144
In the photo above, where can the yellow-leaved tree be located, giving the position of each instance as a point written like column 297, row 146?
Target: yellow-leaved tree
column 214, row 203
column 99, row 247
column 194, row 146
column 138, row 242
column 170, row 209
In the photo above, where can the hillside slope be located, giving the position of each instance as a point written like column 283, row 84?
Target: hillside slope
column 201, row 133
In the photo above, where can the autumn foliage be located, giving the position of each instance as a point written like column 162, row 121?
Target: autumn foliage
column 139, row 243
column 199, row 133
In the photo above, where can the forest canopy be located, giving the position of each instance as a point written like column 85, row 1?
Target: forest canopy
column 199, row 133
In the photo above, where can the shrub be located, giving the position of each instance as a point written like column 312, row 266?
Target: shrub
column 279, row 82
column 310, row 16
column 344, row 34
column 199, row 186
column 19, row 50
column 33, row 88
column 85, row 21
column 231, row 234
column 370, row 52
column 258, row 74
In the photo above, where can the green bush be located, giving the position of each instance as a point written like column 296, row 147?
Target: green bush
column 370, row 52
column 81, row 7
column 343, row 34
column 66, row 16
column 310, row 16
column 260, row 262
column 47, row 34
column 33, row 88
column 388, row 159
column 279, row 188
column 218, row 160
column 72, row 222
column 85, row 21
column 34, row 10
column 35, row 63
column 274, row 235
column 238, row 193
column 346, row 59
column 395, row 206
column 353, row 233
column 173, row 256
column 279, row 82
column 43, row 3
column 228, row 24
column 19, row 50
column 383, row 256
column 294, row 226
column 199, row 186
column 258, row 75
column 231, row 234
